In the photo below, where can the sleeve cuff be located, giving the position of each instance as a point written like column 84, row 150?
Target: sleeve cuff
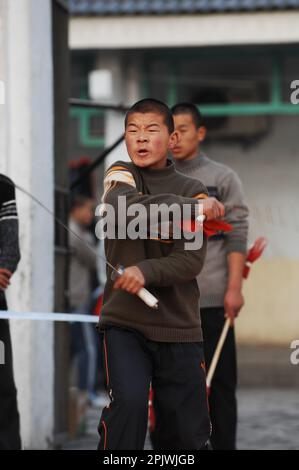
column 236, row 247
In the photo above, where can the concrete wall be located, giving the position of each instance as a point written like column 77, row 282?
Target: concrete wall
column 280, row 27
column 27, row 157
column 125, row 91
column 2, row 85
column 270, row 173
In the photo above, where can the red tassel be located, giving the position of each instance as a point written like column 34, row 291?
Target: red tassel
column 210, row 227
column 254, row 253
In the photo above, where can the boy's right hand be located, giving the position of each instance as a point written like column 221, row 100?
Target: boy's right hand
column 5, row 276
column 132, row 280
column 212, row 208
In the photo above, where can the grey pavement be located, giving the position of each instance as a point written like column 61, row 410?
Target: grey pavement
column 268, row 419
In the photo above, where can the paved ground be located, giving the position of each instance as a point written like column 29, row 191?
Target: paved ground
column 268, row 419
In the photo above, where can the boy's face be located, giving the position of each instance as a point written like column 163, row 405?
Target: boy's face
column 148, row 140
column 84, row 214
column 189, row 137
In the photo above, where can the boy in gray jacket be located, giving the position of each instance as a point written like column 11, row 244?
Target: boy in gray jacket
column 220, row 280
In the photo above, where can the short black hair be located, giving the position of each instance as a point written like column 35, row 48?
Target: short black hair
column 79, row 200
column 189, row 108
column 151, row 105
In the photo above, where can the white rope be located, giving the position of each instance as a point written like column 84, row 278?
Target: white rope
column 37, row 316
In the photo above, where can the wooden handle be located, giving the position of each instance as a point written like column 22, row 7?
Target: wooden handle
column 217, row 352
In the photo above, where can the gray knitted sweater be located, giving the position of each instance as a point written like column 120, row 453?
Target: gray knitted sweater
column 224, row 184
column 9, row 232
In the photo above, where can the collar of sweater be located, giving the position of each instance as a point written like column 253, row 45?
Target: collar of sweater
column 198, row 161
column 165, row 172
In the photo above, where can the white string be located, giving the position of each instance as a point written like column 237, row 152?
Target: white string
column 39, row 316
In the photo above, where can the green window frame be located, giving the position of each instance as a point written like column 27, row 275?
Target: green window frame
column 275, row 106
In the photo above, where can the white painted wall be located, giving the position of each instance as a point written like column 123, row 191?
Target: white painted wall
column 184, row 30
column 27, row 157
column 125, row 90
column 2, row 107
column 270, row 173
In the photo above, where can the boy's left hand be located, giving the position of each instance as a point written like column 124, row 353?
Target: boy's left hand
column 132, row 280
column 233, row 302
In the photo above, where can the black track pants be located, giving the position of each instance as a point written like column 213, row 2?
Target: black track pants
column 176, row 371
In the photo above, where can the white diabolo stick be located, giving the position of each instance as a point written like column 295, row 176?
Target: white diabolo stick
column 143, row 293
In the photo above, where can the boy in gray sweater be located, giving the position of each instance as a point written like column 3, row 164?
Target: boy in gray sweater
column 220, row 281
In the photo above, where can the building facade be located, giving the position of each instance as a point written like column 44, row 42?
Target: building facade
column 237, row 61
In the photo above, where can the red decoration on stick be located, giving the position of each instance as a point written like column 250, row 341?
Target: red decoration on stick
column 254, row 253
